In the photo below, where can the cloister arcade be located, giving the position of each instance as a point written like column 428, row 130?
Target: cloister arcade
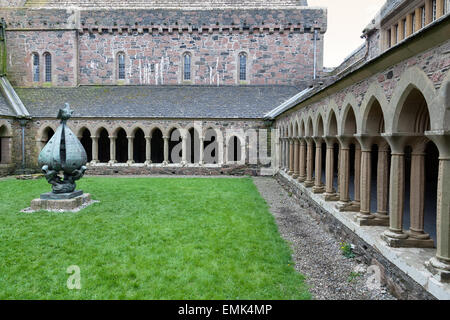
column 156, row 145
column 386, row 161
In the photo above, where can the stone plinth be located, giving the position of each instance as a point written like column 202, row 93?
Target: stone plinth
column 73, row 204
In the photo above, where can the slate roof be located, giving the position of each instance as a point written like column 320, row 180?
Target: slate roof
column 5, row 110
column 198, row 102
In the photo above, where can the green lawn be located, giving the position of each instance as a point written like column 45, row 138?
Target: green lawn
column 147, row 239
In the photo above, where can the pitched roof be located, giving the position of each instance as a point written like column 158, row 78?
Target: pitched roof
column 190, row 102
column 5, row 110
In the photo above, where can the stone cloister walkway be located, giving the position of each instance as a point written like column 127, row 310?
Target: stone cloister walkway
column 316, row 252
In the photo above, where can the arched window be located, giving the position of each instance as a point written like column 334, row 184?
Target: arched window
column 48, row 67
column 187, row 66
column 243, row 66
column 35, row 67
column 121, row 66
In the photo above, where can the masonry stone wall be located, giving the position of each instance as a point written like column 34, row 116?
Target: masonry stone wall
column 84, row 44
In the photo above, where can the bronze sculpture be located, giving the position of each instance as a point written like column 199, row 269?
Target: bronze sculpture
column 63, row 153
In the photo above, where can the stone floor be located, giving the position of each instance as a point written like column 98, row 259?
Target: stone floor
column 317, row 253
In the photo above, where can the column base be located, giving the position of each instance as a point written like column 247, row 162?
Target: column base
column 112, row 161
column 290, row 173
column 301, row 179
column 417, row 235
column 317, row 189
column 331, row 197
column 94, row 162
column 309, row 184
column 148, row 162
column 295, row 176
column 439, row 269
column 373, row 221
column 401, row 240
column 165, row 163
column 129, row 162
column 348, row 206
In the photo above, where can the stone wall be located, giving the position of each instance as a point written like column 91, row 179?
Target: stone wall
column 278, row 43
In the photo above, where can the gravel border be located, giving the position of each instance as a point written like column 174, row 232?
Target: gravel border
column 316, row 253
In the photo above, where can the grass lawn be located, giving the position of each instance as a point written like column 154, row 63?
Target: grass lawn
column 147, row 239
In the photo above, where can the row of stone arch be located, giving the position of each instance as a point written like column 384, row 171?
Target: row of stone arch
column 174, row 145
column 5, row 143
column 386, row 161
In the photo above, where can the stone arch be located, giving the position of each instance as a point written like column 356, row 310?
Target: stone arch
column 412, row 79
column 234, row 148
column 373, row 122
column 44, row 134
column 296, row 128
column 442, row 104
column 319, row 126
column 156, row 145
column 121, row 145
column 5, row 143
column 309, row 127
column 104, row 150
column 332, row 124
column 212, row 145
column 349, row 123
column 302, row 128
column 139, row 145
column 374, row 94
column 85, row 137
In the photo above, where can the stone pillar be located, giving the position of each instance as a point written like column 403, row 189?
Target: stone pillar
column 428, row 12
column 130, row 150
column 148, row 150
column 330, row 193
column 318, row 186
column 344, row 173
column 309, row 165
column 184, row 150
column 296, row 160
column 382, row 184
column 365, row 142
column 112, row 150
column 418, row 19
column 393, row 36
column 201, row 159
column 396, row 190
column 439, row 8
column 302, row 161
column 417, row 195
column 440, row 265
column 94, row 149
column 291, row 157
column 166, row 150
column 357, row 181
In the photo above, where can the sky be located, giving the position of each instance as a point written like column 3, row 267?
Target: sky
column 346, row 21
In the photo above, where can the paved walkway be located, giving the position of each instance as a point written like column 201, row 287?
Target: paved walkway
column 317, row 253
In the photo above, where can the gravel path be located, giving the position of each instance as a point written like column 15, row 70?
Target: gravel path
column 316, row 253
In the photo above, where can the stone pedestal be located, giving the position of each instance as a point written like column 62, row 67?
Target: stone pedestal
column 407, row 242
column 74, row 201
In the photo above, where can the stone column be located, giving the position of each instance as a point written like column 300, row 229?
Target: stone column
column 309, row 163
column 366, row 143
column 382, row 184
column 417, row 195
column 397, row 190
column 94, row 149
column 148, row 150
column 302, row 161
column 130, row 150
column 184, row 150
column 344, row 173
column 417, row 23
column 291, row 157
column 112, row 150
column 330, row 193
column 296, row 160
column 440, row 265
column 166, row 150
column 318, row 186
column 357, row 181
column 201, row 159
column 439, row 8
column 428, row 12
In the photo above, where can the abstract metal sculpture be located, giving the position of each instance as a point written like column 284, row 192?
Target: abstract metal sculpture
column 65, row 153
